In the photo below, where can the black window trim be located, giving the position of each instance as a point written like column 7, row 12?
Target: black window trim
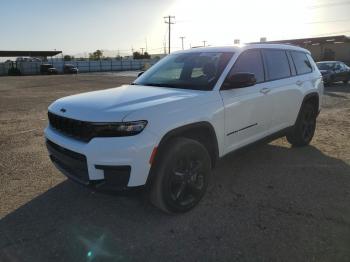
column 291, row 63
column 264, row 64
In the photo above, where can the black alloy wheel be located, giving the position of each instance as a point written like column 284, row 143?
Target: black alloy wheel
column 308, row 124
column 186, row 183
column 181, row 176
column 304, row 128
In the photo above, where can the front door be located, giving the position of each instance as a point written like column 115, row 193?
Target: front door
column 248, row 109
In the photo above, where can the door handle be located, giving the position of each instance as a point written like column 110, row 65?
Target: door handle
column 299, row 83
column 265, row 90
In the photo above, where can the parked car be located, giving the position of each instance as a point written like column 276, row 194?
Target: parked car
column 70, row 69
column 48, row 69
column 334, row 71
column 168, row 128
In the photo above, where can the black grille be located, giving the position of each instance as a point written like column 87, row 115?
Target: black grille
column 75, row 128
column 71, row 163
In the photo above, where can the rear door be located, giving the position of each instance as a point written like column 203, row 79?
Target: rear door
column 337, row 73
column 347, row 72
column 343, row 72
column 305, row 78
column 247, row 110
column 284, row 86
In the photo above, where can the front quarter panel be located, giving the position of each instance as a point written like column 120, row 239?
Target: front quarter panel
column 206, row 107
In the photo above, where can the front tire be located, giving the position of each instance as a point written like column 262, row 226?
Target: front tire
column 305, row 126
column 181, row 176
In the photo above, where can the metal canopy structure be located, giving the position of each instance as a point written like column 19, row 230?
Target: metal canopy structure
column 311, row 41
column 29, row 53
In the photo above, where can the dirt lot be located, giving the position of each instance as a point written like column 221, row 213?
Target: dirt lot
column 269, row 203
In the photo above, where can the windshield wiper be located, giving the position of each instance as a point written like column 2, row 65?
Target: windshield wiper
column 159, row 85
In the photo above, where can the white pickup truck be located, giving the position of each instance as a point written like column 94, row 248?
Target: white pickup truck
column 167, row 129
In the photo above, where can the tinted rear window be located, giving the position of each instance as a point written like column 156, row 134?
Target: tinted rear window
column 277, row 64
column 302, row 64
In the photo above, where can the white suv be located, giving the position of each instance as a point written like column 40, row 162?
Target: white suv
column 167, row 129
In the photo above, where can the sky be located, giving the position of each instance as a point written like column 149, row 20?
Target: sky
column 78, row 27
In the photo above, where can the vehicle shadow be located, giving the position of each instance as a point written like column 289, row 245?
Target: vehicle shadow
column 267, row 203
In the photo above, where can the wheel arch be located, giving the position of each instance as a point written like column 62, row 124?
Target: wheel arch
column 312, row 98
column 203, row 132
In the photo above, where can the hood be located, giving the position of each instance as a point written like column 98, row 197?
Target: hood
column 112, row 105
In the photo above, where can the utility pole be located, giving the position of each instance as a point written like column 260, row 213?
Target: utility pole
column 169, row 22
column 164, row 45
column 182, row 42
column 204, row 41
column 142, row 50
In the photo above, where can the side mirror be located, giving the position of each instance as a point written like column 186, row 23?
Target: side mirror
column 239, row 80
column 139, row 74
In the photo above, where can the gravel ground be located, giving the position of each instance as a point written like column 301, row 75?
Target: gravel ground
column 268, row 203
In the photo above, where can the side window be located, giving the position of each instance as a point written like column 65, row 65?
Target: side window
column 312, row 62
column 345, row 66
column 250, row 62
column 301, row 62
column 277, row 64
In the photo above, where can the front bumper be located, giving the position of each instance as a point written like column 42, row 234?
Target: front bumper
column 114, row 162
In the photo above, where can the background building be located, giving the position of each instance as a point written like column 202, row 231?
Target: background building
column 324, row 48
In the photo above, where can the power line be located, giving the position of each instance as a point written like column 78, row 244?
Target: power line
column 169, row 22
column 328, row 21
column 164, row 44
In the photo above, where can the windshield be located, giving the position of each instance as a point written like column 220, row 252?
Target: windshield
column 325, row 66
column 197, row 70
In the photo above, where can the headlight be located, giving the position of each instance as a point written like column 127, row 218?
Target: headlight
column 119, row 129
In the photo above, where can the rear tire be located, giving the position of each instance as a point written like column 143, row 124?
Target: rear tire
column 305, row 126
column 181, row 176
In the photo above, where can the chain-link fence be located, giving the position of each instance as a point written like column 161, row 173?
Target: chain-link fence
column 84, row 66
